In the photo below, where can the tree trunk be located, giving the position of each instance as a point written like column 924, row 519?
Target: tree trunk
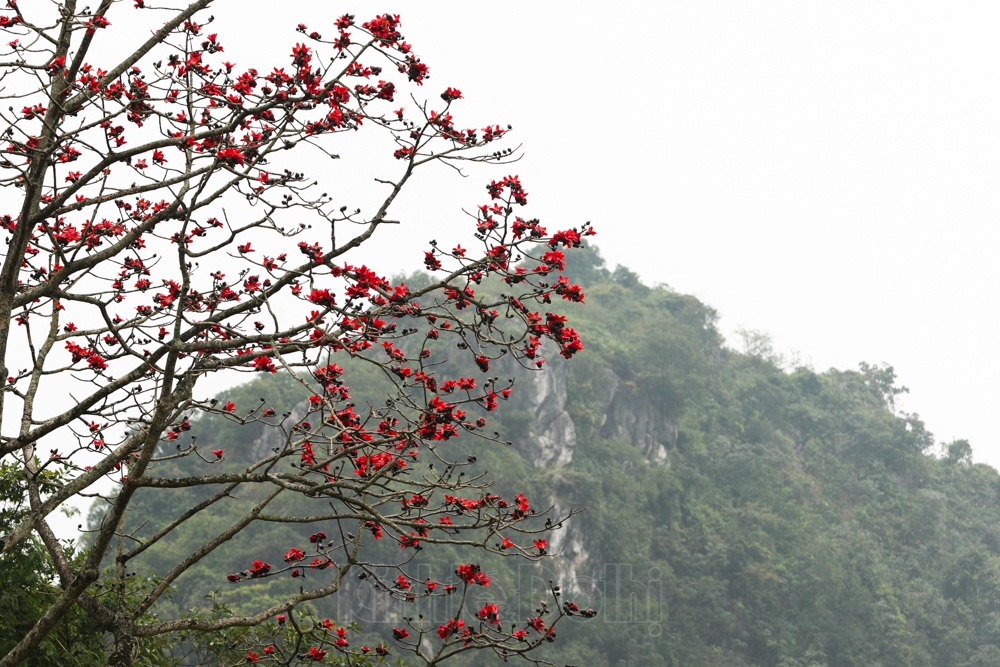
column 126, row 647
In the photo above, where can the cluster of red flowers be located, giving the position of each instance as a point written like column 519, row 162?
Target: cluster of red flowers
column 472, row 574
column 156, row 325
column 93, row 359
column 257, row 570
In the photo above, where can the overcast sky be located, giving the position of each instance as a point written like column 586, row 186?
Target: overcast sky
column 824, row 172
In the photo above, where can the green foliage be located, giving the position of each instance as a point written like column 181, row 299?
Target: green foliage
column 28, row 586
column 796, row 521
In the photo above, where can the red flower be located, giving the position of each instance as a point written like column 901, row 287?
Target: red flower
column 263, row 364
column 451, row 94
column 96, row 362
column 400, row 633
column 472, row 574
column 218, row 453
column 97, row 22
column 320, row 564
column 415, row 70
column 322, row 298
column 570, row 237
column 301, row 55
column 490, row 613
column 431, row 262
column 231, row 156
column 371, row 525
column 522, row 507
column 259, row 568
column 453, row 626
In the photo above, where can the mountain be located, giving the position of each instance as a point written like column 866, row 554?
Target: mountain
column 738, row 512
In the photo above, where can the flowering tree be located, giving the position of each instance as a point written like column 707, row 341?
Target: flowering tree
column 156, row 234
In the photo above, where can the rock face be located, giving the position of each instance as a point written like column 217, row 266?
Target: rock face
column 541, row 428
column 631, row 416
column 570, row 542
column 550, row 437
column 273, row 439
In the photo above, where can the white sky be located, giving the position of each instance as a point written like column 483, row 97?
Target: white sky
column 823, row 172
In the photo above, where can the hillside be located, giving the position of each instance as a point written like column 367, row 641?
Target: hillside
column 737, row 513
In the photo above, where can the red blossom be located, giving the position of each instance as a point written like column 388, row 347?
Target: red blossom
column 165, row 278
column 453, row 626
column 259, row 569
column 263, row 364
column 472, row 574
column 489, row 613
column 231, row 156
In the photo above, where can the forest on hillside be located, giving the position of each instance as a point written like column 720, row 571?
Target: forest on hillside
column 736, row 511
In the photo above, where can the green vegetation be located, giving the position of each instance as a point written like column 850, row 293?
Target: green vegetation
column 799, row 520
column 796, row 519
column 27, row 588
